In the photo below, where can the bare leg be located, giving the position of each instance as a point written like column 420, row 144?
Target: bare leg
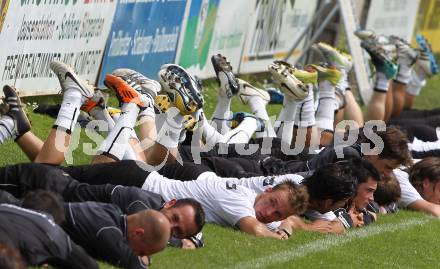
column 157, row 153
column 162, row 147
column 409, row 100
column 75, row 93
column 339, row 116
column 30, row 144
column 399, row 91
column 389, row 104
column 54, row 147
column 417, row 82
column 376, row 107
column 353, row 110
column 311, row 135
column 326, row 138
column 154, row 153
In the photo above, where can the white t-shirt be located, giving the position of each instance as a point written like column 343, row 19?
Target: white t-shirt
column 223, row 201
column 260, row 184
column 422, row 146
column 409, row 193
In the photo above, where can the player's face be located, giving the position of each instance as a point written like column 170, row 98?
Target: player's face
column 273, row 206
column 182, row 220
column 365, row 193
column 384, row 166
column 431, row 191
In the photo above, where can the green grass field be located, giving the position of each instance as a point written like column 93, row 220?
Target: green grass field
column 403, row 240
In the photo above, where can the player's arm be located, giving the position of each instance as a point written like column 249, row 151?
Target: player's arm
column 426, row 207
column 337, row 227
column 297, row 223
column 319, row 225
column 251, row 225
column 78, row 259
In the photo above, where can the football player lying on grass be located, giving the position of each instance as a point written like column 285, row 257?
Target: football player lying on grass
column 104, row 231
column 386, row 196
column 241, row 208
column 339, row 202
column 15, row 124
column 420, row 186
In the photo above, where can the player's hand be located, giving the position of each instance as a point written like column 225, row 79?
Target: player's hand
column 357, row 218
column 321, row 226
column 188, row 244
column 146, row 260
column 283, row 235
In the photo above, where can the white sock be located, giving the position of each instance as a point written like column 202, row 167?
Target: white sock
column 69, row 111
column 130, row 154
column 147, row 112
column 7, row 125
column 210, row 134
column 343, row 82
column 169, row 127
column 325, row 113
column 221, row 113
column 417, row 82
column 116, row 143
column 305, row 112
column 404, row 73
column 422, row 146
column 286, row 121
column 242, row 133
column 258, row 107
column 382, row 82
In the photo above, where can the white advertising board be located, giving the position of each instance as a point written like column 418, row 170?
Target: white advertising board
column 274, row 27
column 230, row 31
column 212, row 27
column 393, row 17
column 35, row 32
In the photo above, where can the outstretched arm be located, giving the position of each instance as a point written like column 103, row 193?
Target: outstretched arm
column 251, row 225
column 426, row 207
column 320, row 225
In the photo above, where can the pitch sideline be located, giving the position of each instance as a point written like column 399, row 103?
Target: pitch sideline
column 327, row 242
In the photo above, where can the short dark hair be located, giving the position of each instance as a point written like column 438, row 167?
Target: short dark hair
column 45, row 201
column 200, row 213
column 298, row 195
column 333, row 181
column 363, row 170
column 395, row 144
column 428, row 168
column 388, row 191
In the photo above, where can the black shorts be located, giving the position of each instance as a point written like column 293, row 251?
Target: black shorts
column 21, row 178
column 131, row 173
column 233, row 167
column 272, row 146
column 126, row 173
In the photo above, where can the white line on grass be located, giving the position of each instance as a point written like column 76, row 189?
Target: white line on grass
column 328, row 242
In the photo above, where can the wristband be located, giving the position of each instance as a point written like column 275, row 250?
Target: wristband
column 286, row 232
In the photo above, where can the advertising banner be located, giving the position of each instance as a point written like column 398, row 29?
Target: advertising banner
column 428, row 22
column 274, row 27
column 35, row 32
column 230, row 31
column 197, row 37
column 144, row 36
column 393, row 17
column 228, row 35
